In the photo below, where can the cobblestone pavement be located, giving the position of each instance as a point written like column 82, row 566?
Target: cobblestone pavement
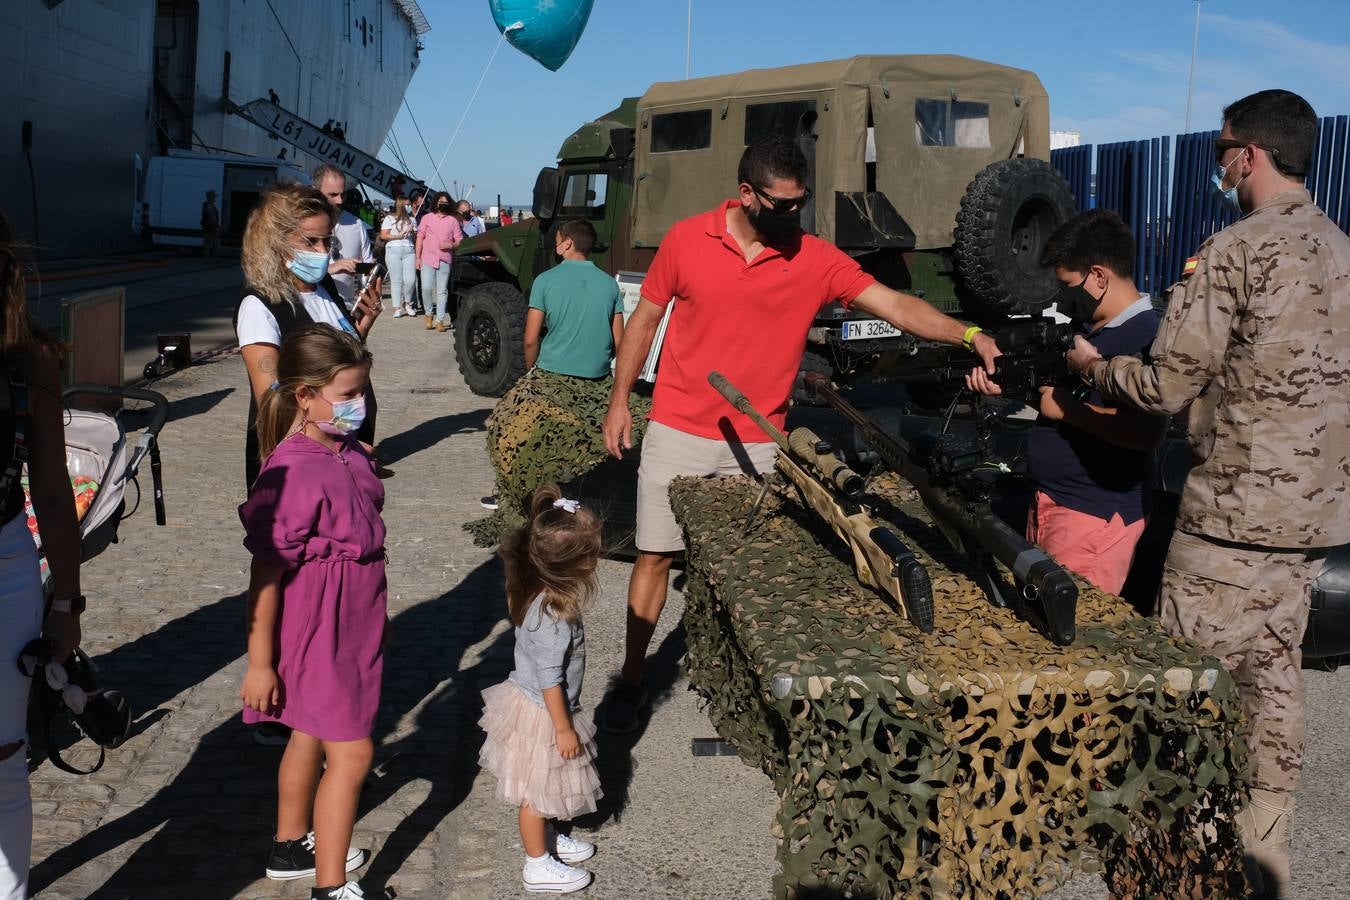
column 185, row 808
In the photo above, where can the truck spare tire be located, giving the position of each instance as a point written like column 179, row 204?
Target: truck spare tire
column 1007, row 215
column 490, row 338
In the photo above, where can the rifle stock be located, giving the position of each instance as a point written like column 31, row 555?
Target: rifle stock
column 1047, row 596
column 829, row 488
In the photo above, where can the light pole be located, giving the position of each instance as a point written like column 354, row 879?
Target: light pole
column 1195, row 45
column 688, row 39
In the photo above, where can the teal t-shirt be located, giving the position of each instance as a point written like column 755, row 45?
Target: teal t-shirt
column 579, row 303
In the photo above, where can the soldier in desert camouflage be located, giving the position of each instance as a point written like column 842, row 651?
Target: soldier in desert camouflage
column 1256, row 342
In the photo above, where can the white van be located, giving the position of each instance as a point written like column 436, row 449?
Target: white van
column 173, row 189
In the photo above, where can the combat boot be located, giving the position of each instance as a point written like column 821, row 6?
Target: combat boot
column 1264, row 824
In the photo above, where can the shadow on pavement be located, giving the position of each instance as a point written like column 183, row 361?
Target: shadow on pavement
column 429, row 433
column 614, row 752
column 160, row 665
column 213, row 822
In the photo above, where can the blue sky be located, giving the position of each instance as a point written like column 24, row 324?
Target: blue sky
column 1113, row 70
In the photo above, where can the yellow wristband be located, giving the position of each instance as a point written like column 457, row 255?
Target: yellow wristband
column 970, row 333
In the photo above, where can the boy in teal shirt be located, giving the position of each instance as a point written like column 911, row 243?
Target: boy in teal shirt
column 579, row 305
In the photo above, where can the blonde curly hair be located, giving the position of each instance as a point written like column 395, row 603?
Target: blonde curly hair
column 267, row 237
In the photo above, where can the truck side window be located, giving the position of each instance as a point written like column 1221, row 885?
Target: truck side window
column 584, row 196
column 789, row 119
column 691, row 130
column 951, row 123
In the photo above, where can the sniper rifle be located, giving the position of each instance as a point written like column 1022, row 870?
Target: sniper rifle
column 950, row 474
column 1032, row 357
column 833, row 491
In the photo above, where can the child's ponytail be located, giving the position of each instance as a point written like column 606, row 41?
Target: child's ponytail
column 555, row 553
column 310, row 357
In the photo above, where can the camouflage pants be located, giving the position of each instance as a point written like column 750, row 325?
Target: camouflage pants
column 1248, row 606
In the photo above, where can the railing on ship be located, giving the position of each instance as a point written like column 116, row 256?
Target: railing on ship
column 1167, row 198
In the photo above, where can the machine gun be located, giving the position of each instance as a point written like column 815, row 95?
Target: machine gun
column 952, row 480
column 1033, row 357
column 834, row 490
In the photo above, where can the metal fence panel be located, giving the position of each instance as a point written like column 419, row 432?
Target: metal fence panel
column 1169, row 201
column 1075, row 164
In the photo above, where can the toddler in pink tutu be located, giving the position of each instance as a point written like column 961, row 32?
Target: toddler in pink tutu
column 316, row 602
column 539, row 744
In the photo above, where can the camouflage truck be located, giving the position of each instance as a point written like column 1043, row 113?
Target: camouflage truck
column 931, row 170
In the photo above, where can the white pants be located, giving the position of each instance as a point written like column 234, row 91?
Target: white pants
column 398, row 258
column 20, row 622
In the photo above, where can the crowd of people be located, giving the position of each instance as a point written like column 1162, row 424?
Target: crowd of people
column 1254, row 342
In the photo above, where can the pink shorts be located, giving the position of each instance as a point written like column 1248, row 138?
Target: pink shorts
column 1099, row 550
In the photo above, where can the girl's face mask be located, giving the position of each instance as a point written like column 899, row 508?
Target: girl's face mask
column 348, row 416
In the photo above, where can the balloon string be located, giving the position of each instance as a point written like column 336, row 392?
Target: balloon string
column 501, row 40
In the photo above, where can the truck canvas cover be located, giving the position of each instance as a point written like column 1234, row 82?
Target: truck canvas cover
column 915, row 128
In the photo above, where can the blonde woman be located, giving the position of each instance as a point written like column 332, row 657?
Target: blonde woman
column 397, row 231
column 285, row 260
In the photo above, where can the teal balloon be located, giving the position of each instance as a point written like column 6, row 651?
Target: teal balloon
column 544, row 30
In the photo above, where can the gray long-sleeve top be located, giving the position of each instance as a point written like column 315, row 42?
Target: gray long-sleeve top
column 549, row 651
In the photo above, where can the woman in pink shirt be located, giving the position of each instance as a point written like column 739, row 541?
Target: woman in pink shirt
column 437, row 235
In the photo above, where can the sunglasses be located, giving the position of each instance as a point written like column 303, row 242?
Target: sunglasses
column 1223, row 145
column 314, row 241
column 783, row 204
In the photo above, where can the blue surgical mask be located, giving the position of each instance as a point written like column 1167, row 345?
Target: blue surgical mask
column 348, row 417
column 1227, row 196
column 309, row 266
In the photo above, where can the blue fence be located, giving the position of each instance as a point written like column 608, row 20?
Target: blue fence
column 1168, row 201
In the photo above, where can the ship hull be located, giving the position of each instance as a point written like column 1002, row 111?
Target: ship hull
column 96, row 90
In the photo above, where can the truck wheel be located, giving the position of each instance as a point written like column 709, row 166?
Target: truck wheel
column 811, row 362
column 1007, row 216
column 490, row 338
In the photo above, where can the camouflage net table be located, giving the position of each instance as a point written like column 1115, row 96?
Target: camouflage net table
column 546, row 428
column 978, row 761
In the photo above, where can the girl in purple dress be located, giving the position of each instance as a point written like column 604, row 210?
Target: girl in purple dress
column 540, row 745
column 316, row 601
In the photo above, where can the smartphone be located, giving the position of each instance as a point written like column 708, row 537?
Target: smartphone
column 372, row 271
column 364, row 268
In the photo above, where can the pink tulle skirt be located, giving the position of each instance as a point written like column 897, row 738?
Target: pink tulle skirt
column 522, row 751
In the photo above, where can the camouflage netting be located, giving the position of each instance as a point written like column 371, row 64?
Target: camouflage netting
column 978, row 761
column 546, row 428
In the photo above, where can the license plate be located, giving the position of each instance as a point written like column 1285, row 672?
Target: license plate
column 868, row 329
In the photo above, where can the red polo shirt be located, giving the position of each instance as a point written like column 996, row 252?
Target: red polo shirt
column 745, row 320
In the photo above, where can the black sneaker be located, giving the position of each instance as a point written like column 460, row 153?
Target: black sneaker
column 489, row 502
column 624, row 707
column 295, row 859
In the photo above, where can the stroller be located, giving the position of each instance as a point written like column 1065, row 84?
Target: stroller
column 101, row 465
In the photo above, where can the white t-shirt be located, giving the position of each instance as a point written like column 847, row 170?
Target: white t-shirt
column 257, row 325
column 350, row 241
column 402, row 231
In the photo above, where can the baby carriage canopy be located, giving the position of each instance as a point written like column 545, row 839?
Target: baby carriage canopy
column 101, row 464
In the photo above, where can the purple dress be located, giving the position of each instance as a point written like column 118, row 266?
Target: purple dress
column 315, row 514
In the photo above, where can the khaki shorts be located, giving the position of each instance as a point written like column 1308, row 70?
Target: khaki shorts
column 668, row 453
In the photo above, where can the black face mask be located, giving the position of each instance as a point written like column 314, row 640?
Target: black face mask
column 1077, row 303
column 777, row 229
column 443, row 210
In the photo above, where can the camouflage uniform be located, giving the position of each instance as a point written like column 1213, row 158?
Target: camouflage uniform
column 1257, row 343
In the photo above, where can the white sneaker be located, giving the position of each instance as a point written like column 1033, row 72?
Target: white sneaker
column 548, row 875
column 398, row 312
column 349, row 891
column 569, row 849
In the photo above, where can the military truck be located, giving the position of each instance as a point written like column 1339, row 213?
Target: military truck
column 932, row 171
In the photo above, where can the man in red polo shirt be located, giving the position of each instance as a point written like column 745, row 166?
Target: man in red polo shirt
column 749, row 284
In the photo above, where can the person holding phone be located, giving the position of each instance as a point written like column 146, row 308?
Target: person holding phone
column 351, row 240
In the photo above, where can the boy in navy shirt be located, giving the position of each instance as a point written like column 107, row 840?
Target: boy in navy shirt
column 1090, row 458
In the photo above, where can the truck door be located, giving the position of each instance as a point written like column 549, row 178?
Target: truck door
column 585, row 195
